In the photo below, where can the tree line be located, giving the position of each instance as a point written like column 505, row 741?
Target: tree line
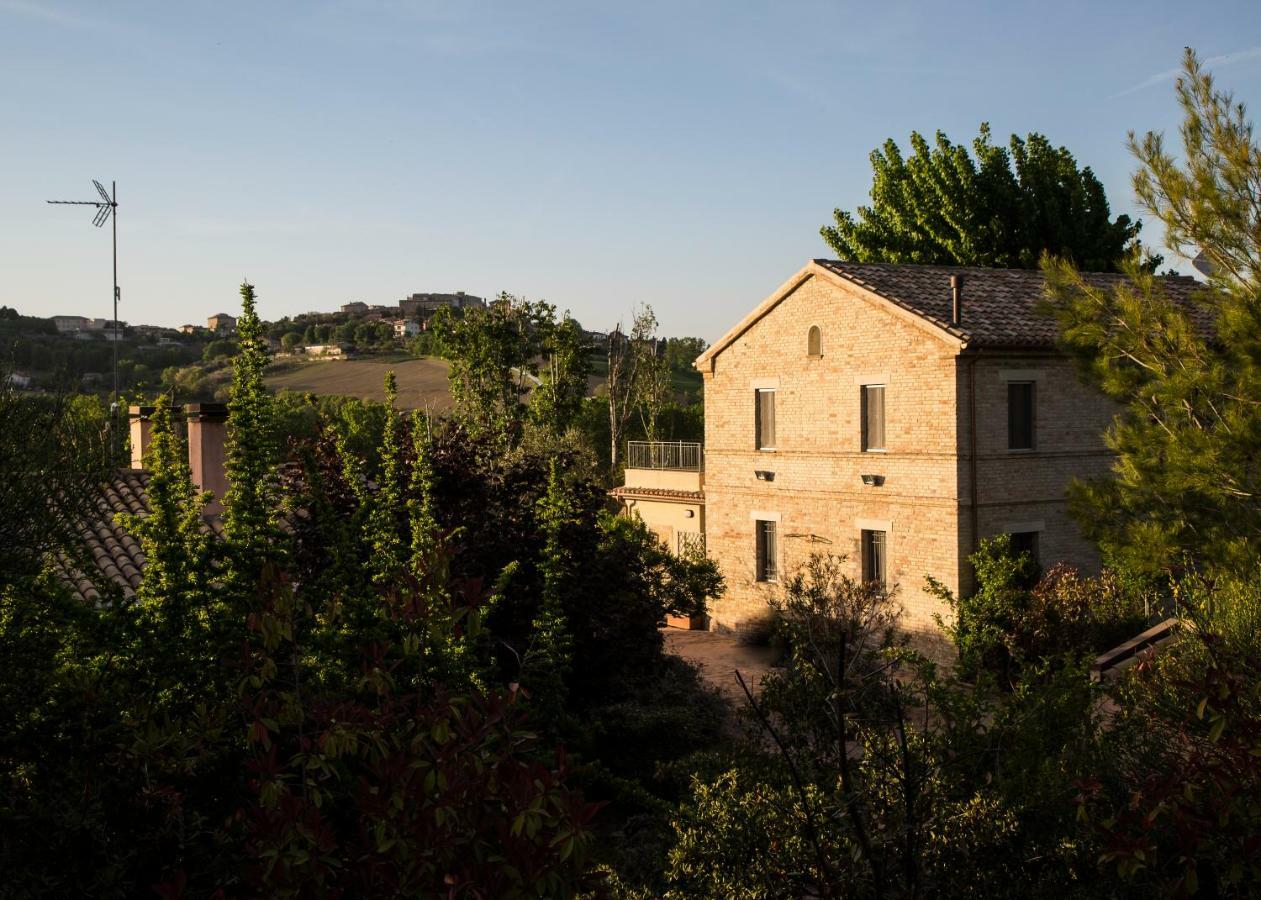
column 420, row 657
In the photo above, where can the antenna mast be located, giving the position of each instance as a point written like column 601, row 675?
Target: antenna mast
column 106, row 207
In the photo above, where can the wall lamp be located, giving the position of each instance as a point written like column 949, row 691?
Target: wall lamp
column 873, row 480
column 763, row 475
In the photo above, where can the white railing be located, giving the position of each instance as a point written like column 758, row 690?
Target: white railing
column 683, row 456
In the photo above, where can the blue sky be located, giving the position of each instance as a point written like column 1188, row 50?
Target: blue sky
column 595, row 155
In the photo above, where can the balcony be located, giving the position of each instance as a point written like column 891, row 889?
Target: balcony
column 664, row 466
column 676, row 456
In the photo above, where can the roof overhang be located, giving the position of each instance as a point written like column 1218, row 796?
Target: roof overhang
column 951, row 336
column 666, row 495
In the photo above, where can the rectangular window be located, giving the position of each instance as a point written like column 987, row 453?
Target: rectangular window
column 767, row 551
column 1023, row 542
column 765, row 415
column 873, row 417
column 875, row 561
column 1020, row 395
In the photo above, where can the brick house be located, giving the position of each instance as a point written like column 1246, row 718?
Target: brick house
column 221, row 322
column 892, row 414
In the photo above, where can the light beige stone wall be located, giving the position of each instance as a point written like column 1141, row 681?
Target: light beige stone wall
column 817, row 494
column 818, row 463
column 1025, row 490
column 671, row 479
column 666, row 518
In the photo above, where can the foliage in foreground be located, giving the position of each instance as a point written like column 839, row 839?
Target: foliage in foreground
column 304, row 708
column 1017, row 617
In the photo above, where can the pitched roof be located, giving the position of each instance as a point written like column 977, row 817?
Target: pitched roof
column 111, row 558
column 999, row 305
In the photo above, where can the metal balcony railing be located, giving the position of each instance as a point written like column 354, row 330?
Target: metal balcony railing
column 683, row 456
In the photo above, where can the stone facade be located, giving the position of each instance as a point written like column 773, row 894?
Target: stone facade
column 812, row 482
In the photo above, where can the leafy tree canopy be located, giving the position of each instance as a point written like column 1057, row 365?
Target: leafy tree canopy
column 998, row 207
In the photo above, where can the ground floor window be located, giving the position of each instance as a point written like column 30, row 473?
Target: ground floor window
column 875, row 560
column 767, row 544
column 1025, row 542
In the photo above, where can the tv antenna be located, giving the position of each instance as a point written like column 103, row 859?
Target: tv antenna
column 106, row 207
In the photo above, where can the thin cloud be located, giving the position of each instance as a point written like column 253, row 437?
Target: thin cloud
column 42, row 13
column 1226, row 59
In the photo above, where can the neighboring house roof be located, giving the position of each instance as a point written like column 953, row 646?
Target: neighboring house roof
column 112, row 556
column 634, row 493
column 999, row 305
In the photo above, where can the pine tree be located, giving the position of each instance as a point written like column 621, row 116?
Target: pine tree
column 1186, row 485
column 999, row 208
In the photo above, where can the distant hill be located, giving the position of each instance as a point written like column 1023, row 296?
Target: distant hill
column 422, row 383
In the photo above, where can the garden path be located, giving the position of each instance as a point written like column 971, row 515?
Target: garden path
column 718, row 657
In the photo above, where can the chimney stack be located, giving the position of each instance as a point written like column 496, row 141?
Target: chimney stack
column 141, row 433
column 956, row 296
column 207, row 433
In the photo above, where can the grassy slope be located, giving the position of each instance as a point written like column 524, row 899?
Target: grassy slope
column 422, row 383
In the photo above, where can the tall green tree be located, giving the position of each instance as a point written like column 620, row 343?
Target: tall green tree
column 624, row 382
column 1186, row 485
column 492, row 352
column 249, row 506
column 557, row 400
column 998, row 207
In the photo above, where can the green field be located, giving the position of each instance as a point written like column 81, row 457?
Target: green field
column 422, row 383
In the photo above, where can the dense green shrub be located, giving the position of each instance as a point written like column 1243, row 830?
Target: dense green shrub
column 1014, row 617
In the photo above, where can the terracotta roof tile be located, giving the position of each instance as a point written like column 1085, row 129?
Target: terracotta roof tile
column 113, row 557
column 663, row 493
column 998, row 304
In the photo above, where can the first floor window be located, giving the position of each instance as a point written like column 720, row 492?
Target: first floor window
column 1020, row 406
column 765, row 415
column 873, row 417
column 767, row 542
column 875, row 559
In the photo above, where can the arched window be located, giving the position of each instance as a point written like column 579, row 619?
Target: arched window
column 814, row 342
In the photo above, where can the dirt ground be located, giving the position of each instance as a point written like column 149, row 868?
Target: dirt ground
column 422, row 383
column 719, row 657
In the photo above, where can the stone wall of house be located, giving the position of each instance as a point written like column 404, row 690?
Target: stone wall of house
column 1025, row 490
column 817, row 491
column 667, row 519
column 817, row 494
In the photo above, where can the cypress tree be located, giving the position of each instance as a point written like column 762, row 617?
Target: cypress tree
column 249, row 519
column 548, row 660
